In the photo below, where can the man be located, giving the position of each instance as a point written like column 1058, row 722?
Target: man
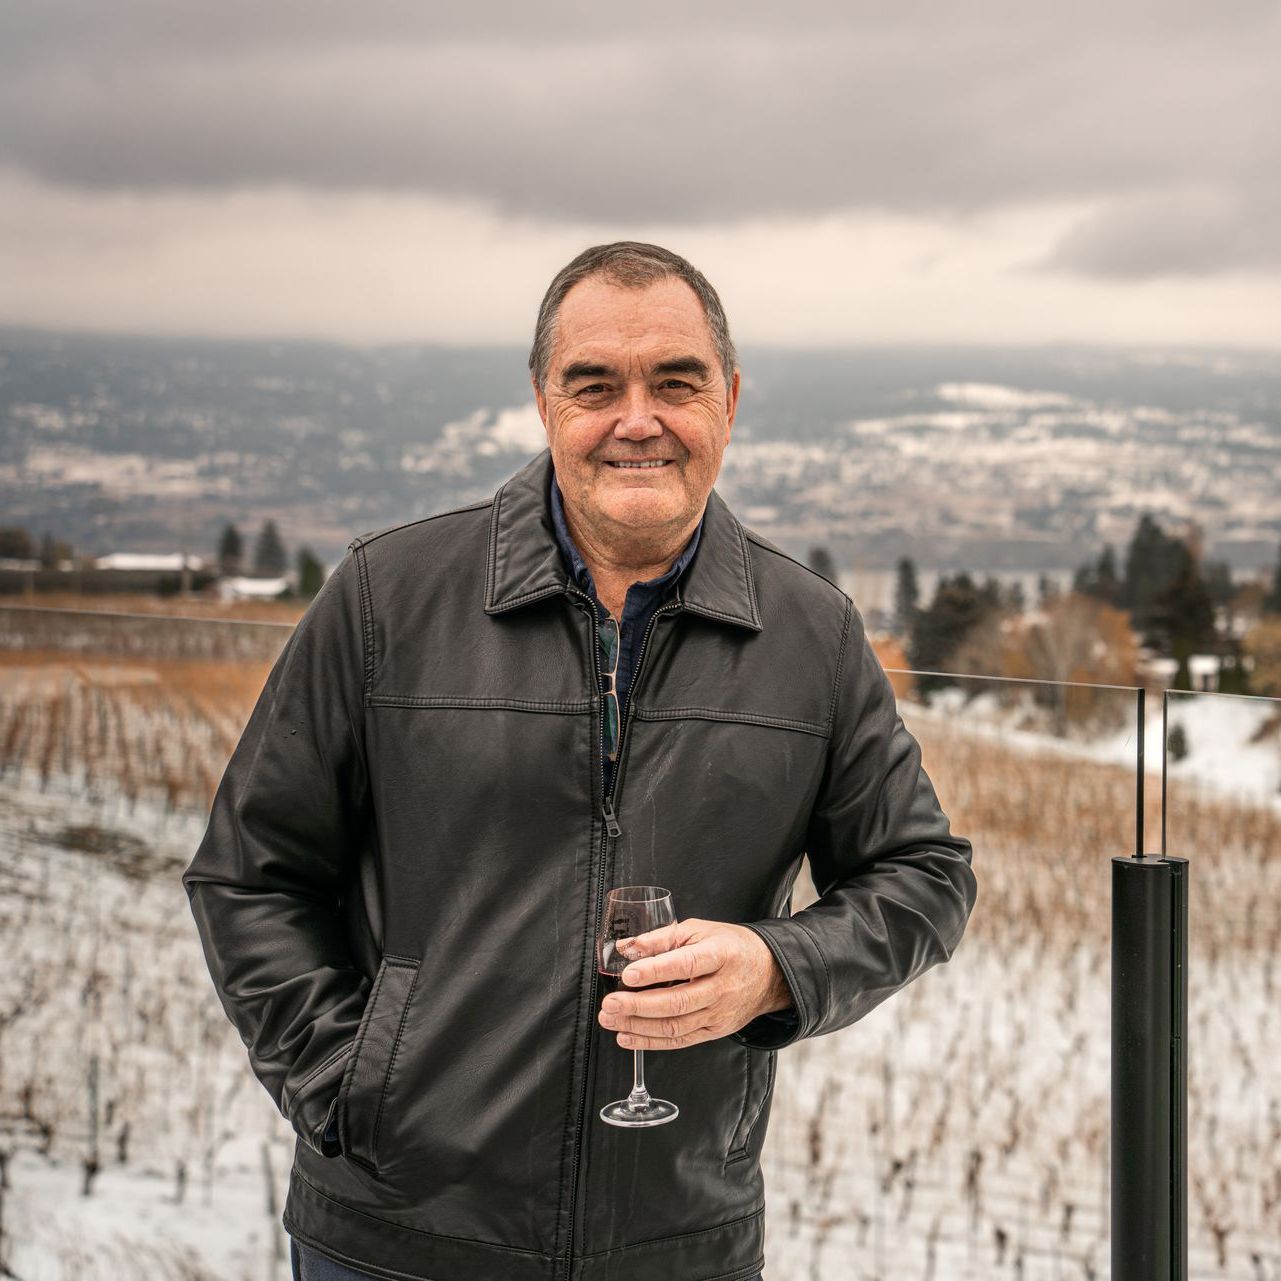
column 486, row 719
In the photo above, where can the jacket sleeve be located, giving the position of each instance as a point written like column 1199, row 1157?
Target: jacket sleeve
column 265, row 884
column 895, row 885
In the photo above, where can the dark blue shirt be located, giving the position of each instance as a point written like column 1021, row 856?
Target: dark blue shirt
column 638, row 608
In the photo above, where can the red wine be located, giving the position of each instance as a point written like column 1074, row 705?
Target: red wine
column 614, row 983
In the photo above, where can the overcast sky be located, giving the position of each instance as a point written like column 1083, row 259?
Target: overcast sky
column 844, row 172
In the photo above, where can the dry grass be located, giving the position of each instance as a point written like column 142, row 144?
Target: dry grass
column 959, row 1132
column 160, row 730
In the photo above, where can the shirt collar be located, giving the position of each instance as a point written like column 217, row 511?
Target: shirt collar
column 578, row 567
column 523, row 561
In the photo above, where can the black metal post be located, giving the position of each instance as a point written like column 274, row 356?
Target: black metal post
column 1149, row 1069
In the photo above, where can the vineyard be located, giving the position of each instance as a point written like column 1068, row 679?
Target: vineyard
column 958, row 1132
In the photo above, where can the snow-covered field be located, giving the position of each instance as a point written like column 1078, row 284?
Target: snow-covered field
column 958, row 1132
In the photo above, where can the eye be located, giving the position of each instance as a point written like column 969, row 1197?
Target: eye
column 676, row 388
column 592, row 390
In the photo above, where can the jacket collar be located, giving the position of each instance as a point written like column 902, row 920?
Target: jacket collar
column 524, row 564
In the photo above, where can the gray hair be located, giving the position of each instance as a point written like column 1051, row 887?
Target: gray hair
column 633, row 265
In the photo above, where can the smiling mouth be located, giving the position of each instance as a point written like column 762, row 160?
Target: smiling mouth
column 639, row 465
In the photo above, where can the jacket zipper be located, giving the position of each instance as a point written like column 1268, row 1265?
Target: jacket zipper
column 612, row 831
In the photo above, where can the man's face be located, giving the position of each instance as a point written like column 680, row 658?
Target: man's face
column 634, row 377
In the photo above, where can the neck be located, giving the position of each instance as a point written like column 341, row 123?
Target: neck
column 617, row 560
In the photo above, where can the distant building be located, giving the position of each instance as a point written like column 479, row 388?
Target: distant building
column 155, row 562
column 240, row 588
column 1203, row 672
column 147, row 572
column 1156, row 670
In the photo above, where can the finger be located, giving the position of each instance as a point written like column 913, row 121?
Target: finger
column 669, row 1029
column 679, row 965
column 663, row 1002
column 635, row 1041
column 654, row 941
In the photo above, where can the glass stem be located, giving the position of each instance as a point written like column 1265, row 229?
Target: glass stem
column 639, row 1097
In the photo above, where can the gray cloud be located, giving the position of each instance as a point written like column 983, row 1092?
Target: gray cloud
column 727, row 112
column 1177, row 232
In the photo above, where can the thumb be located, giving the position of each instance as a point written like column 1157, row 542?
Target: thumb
column 663, row 939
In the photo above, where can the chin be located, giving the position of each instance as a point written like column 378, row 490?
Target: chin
column 642, row 510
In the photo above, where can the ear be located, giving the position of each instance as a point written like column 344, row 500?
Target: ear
column 731, row 402
column 540, row 399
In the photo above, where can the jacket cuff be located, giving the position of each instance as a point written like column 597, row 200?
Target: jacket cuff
column 769, row 1031
column 804, row 969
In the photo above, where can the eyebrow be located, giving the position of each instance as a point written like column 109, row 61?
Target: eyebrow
column 677, row 365
column 684, row 365
column 585, row 369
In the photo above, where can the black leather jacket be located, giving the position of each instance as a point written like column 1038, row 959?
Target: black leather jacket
column 399, row 885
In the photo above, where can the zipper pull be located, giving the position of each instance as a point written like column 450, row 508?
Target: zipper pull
column 611, row 820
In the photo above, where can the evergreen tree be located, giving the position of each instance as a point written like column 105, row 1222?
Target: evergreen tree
column 1180, row 617
column 821, row 562
column 1107, row 584
column 1218, row 582
column 15, row 543
column 269, row 550
column 937, row 632
column 907, row 595
column 1099, row 579
column 231, row 550
column 311, row 573
column 1047, row 590
column 53, row 551
column 1151, row 564
column 1272, row 601
column 1015, row 598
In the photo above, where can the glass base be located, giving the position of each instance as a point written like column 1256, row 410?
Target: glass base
column 655, row 1112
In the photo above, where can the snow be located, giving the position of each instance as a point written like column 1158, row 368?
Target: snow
column 995, row 396
column 1230, row 749
column 1007, row 1044
column 133, row 1210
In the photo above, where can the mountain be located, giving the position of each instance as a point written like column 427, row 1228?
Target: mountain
column 988, row 459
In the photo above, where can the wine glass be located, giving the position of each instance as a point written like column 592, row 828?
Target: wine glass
column 631, row 910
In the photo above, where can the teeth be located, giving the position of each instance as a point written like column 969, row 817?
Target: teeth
column 657, row 462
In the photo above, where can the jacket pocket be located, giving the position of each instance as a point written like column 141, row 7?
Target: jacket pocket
column 367, row 1081
column 757, row 1084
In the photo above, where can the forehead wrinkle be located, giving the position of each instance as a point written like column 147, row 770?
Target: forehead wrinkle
column 601, row 323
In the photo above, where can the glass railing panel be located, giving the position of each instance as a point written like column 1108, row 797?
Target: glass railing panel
column 958, row 1131
column 961, row 1129
column 1223, row 814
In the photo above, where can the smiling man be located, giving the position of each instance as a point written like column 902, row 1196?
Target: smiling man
column 487, row 718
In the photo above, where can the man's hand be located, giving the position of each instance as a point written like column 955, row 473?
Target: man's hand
column 726, row 976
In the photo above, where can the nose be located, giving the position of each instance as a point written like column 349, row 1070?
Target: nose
column 637, row 419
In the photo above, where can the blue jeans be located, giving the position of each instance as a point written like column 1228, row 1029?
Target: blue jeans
column 310, row 1266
